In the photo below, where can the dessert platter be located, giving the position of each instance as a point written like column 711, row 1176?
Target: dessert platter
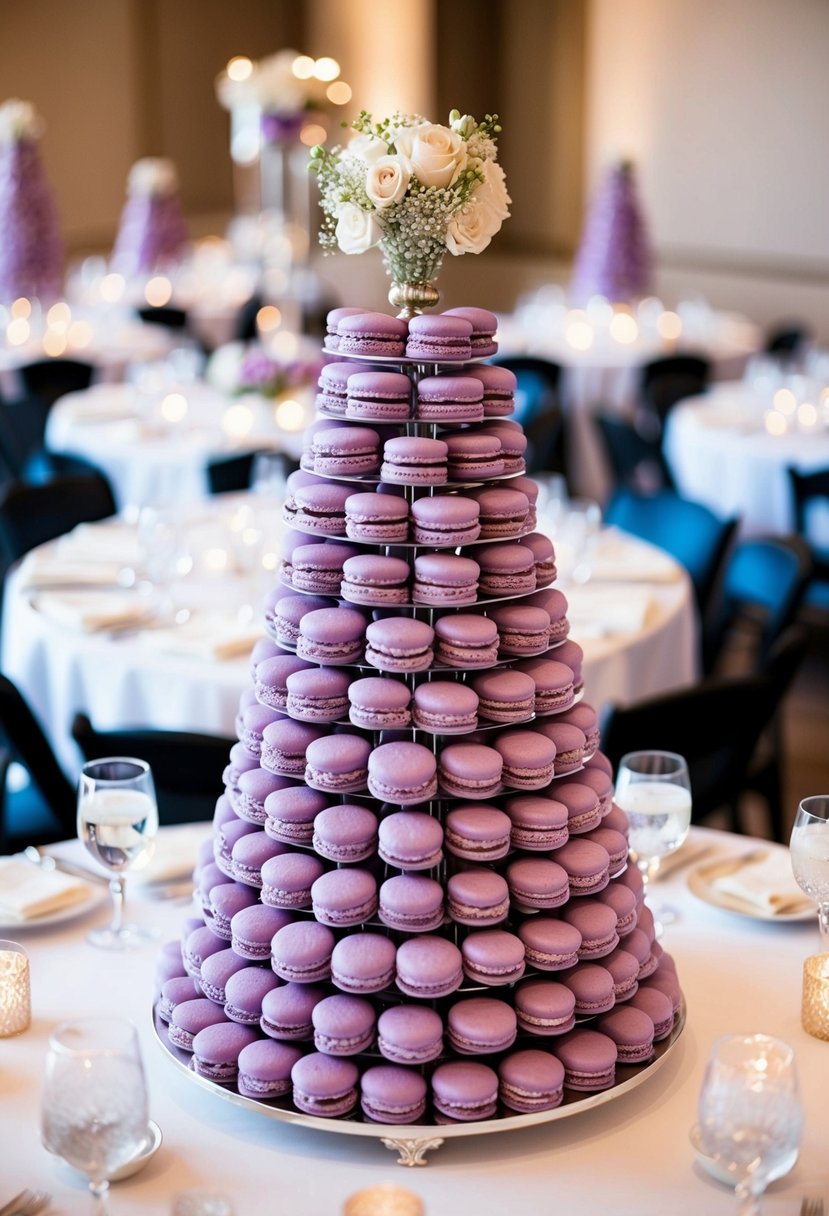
column 415, row 918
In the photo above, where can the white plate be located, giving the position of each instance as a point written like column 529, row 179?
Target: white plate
column 701, row 884
column 96, row 896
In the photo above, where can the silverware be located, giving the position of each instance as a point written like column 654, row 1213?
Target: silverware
column 27, row 1203
column 683, row 857
column 730, row 865
column 811, row 1205
column 47, row 861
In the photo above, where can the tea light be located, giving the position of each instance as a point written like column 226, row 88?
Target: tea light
column 814, row 1013
column 383, row 1200
column 15, row 994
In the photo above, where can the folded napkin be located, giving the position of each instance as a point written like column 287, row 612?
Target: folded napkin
column 27, row 891
column 599, row 612
column 46, row 570
column 207, row 635
column 106, row 542
column 101, row 411
column 766, row 883
column 92, row 612
column 174, row 855
column 621, row 561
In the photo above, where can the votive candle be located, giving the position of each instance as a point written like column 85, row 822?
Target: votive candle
column 814, row 1013
column 15, row 993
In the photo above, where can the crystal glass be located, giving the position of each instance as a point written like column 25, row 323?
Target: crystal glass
column 654, row 790
column 94, row 1105
column 117, row 822
column 749, row 1113
column 809, row 849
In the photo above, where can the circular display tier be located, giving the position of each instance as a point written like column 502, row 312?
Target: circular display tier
column 414, row 1140
column 418, row 422
column 483, row 727
column 410, row 545
column 402, row 361
column 374, row 479
column 482, row 600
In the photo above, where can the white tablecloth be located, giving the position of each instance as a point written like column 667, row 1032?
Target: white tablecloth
column 630, row 1157
column 150, row 458
column 722, row 455
column 123, row 679
column 606, row 376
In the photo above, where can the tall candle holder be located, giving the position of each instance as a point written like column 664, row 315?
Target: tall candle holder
column 814, row 1014
column 15, row 991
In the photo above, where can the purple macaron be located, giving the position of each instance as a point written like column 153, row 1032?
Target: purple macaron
column 345, row 834
column 411, row 903
column 493, row 957
column 505, row 695
column 528, row 759
column 371, row 334
column 410, row 1034
column 363, row 962
column 481, row 1026
column 291, row 813
column 380, row 518
column 410, row 840
column 538, row 823
column 286, row 1011
column 545, row 1007
column 403, row 773
column 428, row 967
column 589, row 1060
column 445, row 580
column 318, row 695
column 389, row 1094
column 445, row 520
column 265, row 1069
column 443, row 707
column 477, row 833
column 484, row 325
column 449, row 399
column 244, row 992
column 189, row 1017
column 324, row 1085
column 377, row 703
column 378, row 396
column 343, row 1025
column 474, row 456
column 338, row 763
column 478, row 898
column 301, row 952
column 537, row 883
column 216, row 1051
column 375, row 580
column 287, row 880
column 253, row 929
column 344, row 897
column 413, row 460
column 550, row 944
column 438, row 339
column 531, row 1081
column 331, row 636
column 464, row 1091
column 596, row 923
column 470, row 770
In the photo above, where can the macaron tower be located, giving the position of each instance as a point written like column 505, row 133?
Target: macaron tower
column 436, row 895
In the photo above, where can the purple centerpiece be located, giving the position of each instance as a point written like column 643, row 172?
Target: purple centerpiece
column 31, row 251
column 614, row 258
column 152, row 232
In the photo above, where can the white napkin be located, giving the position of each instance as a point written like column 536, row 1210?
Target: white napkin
column 766, row 884
column 40, row 569
column 620, row 561
column 92, row 612
column 112, row 541
column 208, row 635
column 27, row 891
column 174, row 855
column 599, row 612
column 96, row 411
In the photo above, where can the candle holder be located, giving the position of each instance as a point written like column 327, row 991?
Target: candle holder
column 814, row 1013
column 15, row 992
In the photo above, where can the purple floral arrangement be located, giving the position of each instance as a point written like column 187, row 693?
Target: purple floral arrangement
column 614, row 257
column 152, row 232
column 259, row 372
column 31, row 250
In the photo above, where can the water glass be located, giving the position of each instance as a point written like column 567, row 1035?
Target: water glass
column 94, row 1110
column 117, row 823
column 809, row 850
column 750, row 1114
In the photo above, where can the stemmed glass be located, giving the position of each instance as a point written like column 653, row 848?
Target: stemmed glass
column 750, row 1115
column 117, row 822
column 654, row 790
column 809, row 849
column 94, row 1105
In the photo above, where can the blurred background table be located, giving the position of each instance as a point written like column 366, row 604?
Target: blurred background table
column 629, row 1156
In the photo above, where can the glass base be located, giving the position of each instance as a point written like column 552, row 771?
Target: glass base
column 128, row 937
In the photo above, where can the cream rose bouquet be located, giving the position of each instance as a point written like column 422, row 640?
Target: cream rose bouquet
column 415, row 189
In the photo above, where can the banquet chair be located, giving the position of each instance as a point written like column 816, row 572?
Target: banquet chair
column 230, row 474
column 23, row 452
column 787, row 339
column 41, row 808
column 695, row 536
column 187, row 767
column 635, row 460
column 32, row 515
column 538, row 409
column 164, row 314
column 52, row 378
column 810, row 490
column 665, row 381
column 245, row 328
column 761, row 590
column 717, row 726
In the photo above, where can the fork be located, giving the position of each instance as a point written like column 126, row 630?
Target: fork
column 27, row 1203
column 812, row 1205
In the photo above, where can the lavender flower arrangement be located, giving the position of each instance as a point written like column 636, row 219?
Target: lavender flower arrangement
column 152, row 232
column 259, row 372
column 31, row 250
column 614, row 258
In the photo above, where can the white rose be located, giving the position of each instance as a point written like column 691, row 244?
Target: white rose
column 357, row 230
column 437, row 154
column 387, row 181
column 471, row 229
column 492, row 191
column 368, row 148
column 403, row 139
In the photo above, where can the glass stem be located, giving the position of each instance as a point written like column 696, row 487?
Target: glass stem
column 100, row 1193
column 749, row 1199
column 117, row 886
column 823, row 923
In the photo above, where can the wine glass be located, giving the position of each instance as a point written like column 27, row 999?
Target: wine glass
column 117, row 822
column 809, row 849
column 654, row 790
column 94, row 1105
column 749, row 1113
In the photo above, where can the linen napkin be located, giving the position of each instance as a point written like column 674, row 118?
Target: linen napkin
column 112, row 541
column 617, row 560
column 26, row 891
column 47, row 570
column 766, row 884
column 94, row 612
column 208, row 635
column 174, row 855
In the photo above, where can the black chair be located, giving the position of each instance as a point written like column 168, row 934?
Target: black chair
column 187, row 767
column 52, row 378
column 635, row 460
column 810, row 490
column 22, row 430
column 165, row 314
column 245, row 328
column 538, row 409
column 695, row 536
column 665, row 381
column 762, row 588
column 787, row 339
column 717, row 726
column 42, row 809
column 231, row 474
column 31, row 515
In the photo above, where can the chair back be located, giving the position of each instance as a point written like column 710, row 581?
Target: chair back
column 787, row 339
column 810, row 491
column 245, row 328
column 187, row 767
column 695, row 536
column 26, row 743
column 763, row 586
column 538, row 409
column 635, row 460
column 164, row 314
column 22, row 430
column 665, row 381
column 231, row 474
column 32, row 515
column 52, row 378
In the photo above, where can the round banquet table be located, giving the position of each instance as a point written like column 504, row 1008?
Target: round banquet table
column 155, row 452
column 630, row 1156
column 722, row 455
column 172, row 677
column 606, row 374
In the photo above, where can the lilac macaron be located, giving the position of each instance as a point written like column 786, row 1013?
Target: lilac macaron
column 371, row 334
column 443, row 707
column 477, row 833
column 411, row 903
column 345, row 834
column 331, row 636
column 553, row 684
column 493, row 957
column 224, row 901
column 324, row 1085
column 271, row 683
column 399, row 644
column 439, row 339
column 378, row 396
column 174, row 991
column 589, row 1059
column 389, row 1094
column 545, row 1007
column 428, row 967
column 288, row 614
column 244, row 992
column 401, row 772
column 189, row 1017
column 624, row 967
column 554, row 603
column 337, row 763
column 570, row 744
column 216, row 1050
column 363, row 962
column 217, row 970
column 253, row 928
column 445, row 580
column 538, row 823
column 513, row 447
column 284, row 745
column 320, row 508
column 318, row 695
column 659, row 1008
column 531, row 1081
column 502, row 512
column 291, row 813
column 410, row 1034
column 537, row 883
column 596, row 923
column 474, row 456
column 505, row 569
column 250, row 853
column 445, row 520
column 505, row 696
column 265, row 1069
column 583, row 808
column 332, row 321
column 528, row 758
column 380, row 518
column 345, row 897
column 346, row 451
column 541, row 548
column 464, row 1091
column 481, row 1025
column 549, row 944
column 478, row 898
column 585, row 717
column 332, row 397
column 286, row 1011
column 375, row 580
column 343, row 1025
column 449, row 399
column 414, row 460
column 301, row 952
column 623, row 902
column 484, row 325
column 499, row 385
column 587, row 864
column 592, row 986
column 287, row 880
column 253, row 790
column 410, row 840
column 470, row 770
column 376, row 703
column 318, row 568
column 523, row 631
column 466, row 640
